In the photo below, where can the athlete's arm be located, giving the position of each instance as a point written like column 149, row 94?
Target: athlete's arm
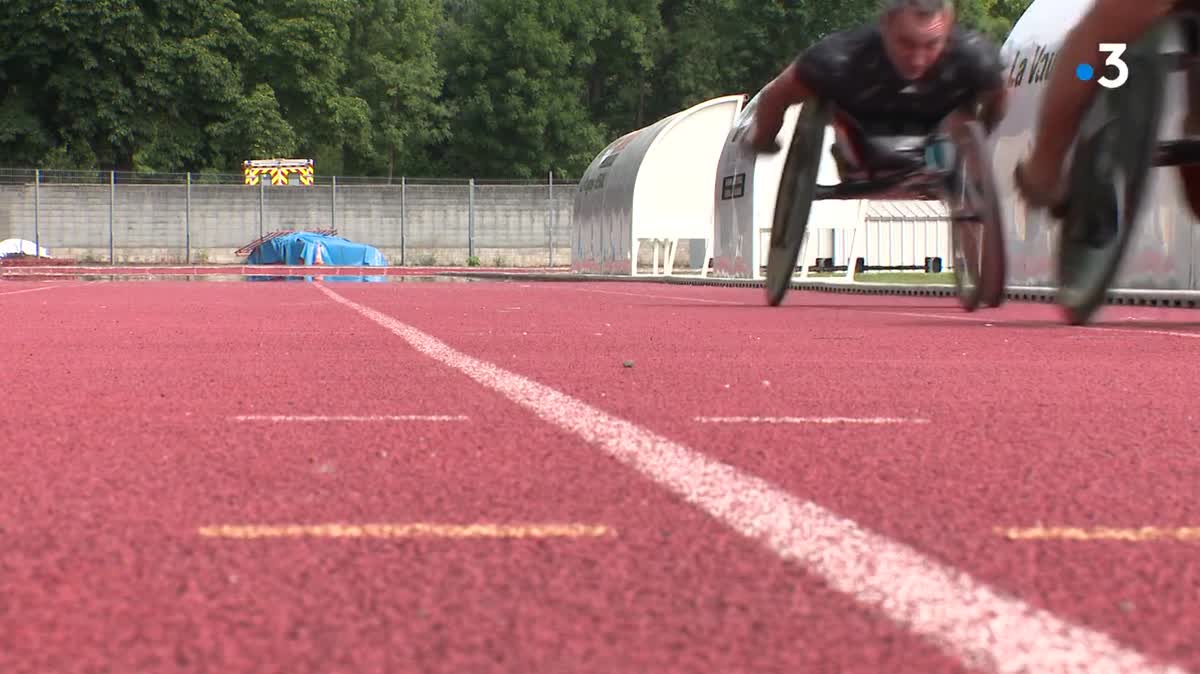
column 814, row 72
column 988, row 75
column 784, row 91
column 993, row 106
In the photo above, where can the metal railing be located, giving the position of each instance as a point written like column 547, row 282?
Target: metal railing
column 198, row 218
column 189, row 217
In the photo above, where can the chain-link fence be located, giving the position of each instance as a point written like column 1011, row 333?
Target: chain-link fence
column 196, row 218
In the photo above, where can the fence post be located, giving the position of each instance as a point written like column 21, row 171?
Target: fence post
column 403, row 195
column 333, row 205
column 550, row 220
column 112, row 199
column 261, row 192
column 925, row 243
column 37, row 212
column 187, row 221
column 470, row 220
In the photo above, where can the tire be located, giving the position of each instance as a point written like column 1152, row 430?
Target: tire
column 977, row 232
column 966, row 254
column 793, row 203
column 1113, row 156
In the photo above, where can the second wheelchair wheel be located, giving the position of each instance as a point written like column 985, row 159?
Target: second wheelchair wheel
column 793, row 203
column 977, row 224
column 1112, row 158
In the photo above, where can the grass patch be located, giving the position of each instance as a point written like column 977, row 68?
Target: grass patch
column 943, row 278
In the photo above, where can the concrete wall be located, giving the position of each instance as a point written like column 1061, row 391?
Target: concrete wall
column 424, row 224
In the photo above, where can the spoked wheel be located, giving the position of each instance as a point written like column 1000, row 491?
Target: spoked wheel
column 977, row 231
column 797, row 185
column 967, row 245
column 1113, row 156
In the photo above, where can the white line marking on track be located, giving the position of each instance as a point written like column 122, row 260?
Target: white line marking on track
column 348, row 417
column 660, row 297
column 981, row 626
column 809, row 420
column 1167, row 333
column 29, row 290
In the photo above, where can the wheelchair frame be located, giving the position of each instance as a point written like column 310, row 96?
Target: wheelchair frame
column 984, row 280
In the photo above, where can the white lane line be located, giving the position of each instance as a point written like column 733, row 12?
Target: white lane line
column 968, row 619
column 29, row 290
column 1167, row 333
column 810, row 420
column 347, row 417
column 660, row 297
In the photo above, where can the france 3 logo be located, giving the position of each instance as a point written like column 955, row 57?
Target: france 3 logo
column 1115, row 51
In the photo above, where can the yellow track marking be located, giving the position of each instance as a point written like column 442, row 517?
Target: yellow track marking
column 1101, row 533
column 413, row 530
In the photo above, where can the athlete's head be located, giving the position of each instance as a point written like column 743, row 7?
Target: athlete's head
column 915, row 33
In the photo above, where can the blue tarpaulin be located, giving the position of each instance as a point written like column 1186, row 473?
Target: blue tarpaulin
column 298, row 248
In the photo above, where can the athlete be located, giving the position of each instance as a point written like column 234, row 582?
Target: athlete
column 1040, row 178
column 900, row 76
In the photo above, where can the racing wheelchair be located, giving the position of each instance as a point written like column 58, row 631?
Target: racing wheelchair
column 1116, row 147
column 903, row 167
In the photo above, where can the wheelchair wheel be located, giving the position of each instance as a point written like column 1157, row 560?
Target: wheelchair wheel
column 793, row 203
column 1113, row 155
column 977, row 229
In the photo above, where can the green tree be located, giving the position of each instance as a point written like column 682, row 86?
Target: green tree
column 196, row 113
column 77, row 75
column 619, row 82
column 394, row 67
column 993, row 17
column 300, row 49
column 486, row 88
column 516, row 73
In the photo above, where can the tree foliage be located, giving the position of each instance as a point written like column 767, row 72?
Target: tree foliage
column 484, row 88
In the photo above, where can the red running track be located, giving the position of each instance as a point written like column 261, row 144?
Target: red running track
column 127, row 433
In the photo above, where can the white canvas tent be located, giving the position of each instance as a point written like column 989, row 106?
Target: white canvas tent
column 19, row 246
column 653, row 185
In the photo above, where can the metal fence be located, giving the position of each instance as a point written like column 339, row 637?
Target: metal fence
column 153, row 218
column 201, row 218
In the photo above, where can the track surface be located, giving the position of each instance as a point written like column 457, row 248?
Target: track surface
column 139, row 413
